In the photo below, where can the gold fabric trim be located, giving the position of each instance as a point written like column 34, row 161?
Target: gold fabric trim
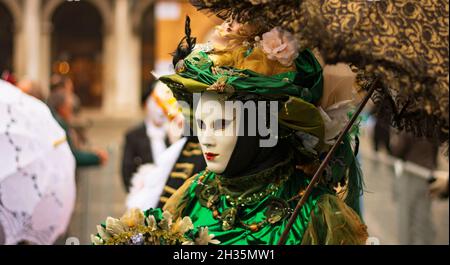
column 178, row 175
column 59, row 142
column 182, row 170
column 169, row 190
column 177, row 201
column 192, row 149
column 164, row 199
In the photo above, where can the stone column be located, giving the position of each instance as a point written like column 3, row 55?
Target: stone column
column 45, row 61
column 19, row 58
column 124, row 101
column 32, row 41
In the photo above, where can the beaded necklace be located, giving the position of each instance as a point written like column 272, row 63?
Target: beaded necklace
column 210, row 190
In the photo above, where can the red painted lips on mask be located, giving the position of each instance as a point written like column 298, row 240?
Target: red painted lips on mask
column 210, row 156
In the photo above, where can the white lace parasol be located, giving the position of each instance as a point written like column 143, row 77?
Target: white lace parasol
column 37, row 170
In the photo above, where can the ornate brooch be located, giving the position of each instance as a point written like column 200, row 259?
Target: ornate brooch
column 221, row 86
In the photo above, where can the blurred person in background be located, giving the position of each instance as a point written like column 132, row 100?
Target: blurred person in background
column 58, row 82
column 439, row 185
column 381, row 133
column 413, row 187
column 60, row 102
column 78, row 127
column 145, row 142
column 156, row 181
column 31, row 88
column 420, row 151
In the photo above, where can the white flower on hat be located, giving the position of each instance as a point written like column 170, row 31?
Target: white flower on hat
column 280, row 45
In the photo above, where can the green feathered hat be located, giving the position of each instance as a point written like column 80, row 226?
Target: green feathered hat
column 240, row 60
column 233, row 64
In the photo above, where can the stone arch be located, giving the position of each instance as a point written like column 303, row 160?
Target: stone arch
column 16, row 11
column 87, row 62
column 104, row 8
column 10, row 37
column 138, row 12
column 143, row 24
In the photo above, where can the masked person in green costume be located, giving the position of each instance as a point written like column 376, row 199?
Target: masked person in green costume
column 267, row 115
column 248, row 191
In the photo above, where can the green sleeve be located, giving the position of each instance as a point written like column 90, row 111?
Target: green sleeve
column 82, row 158
column 85, row 159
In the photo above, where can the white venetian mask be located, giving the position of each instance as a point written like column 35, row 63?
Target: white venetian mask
column 160, row 104
column 217, row 131
column 154, row 113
